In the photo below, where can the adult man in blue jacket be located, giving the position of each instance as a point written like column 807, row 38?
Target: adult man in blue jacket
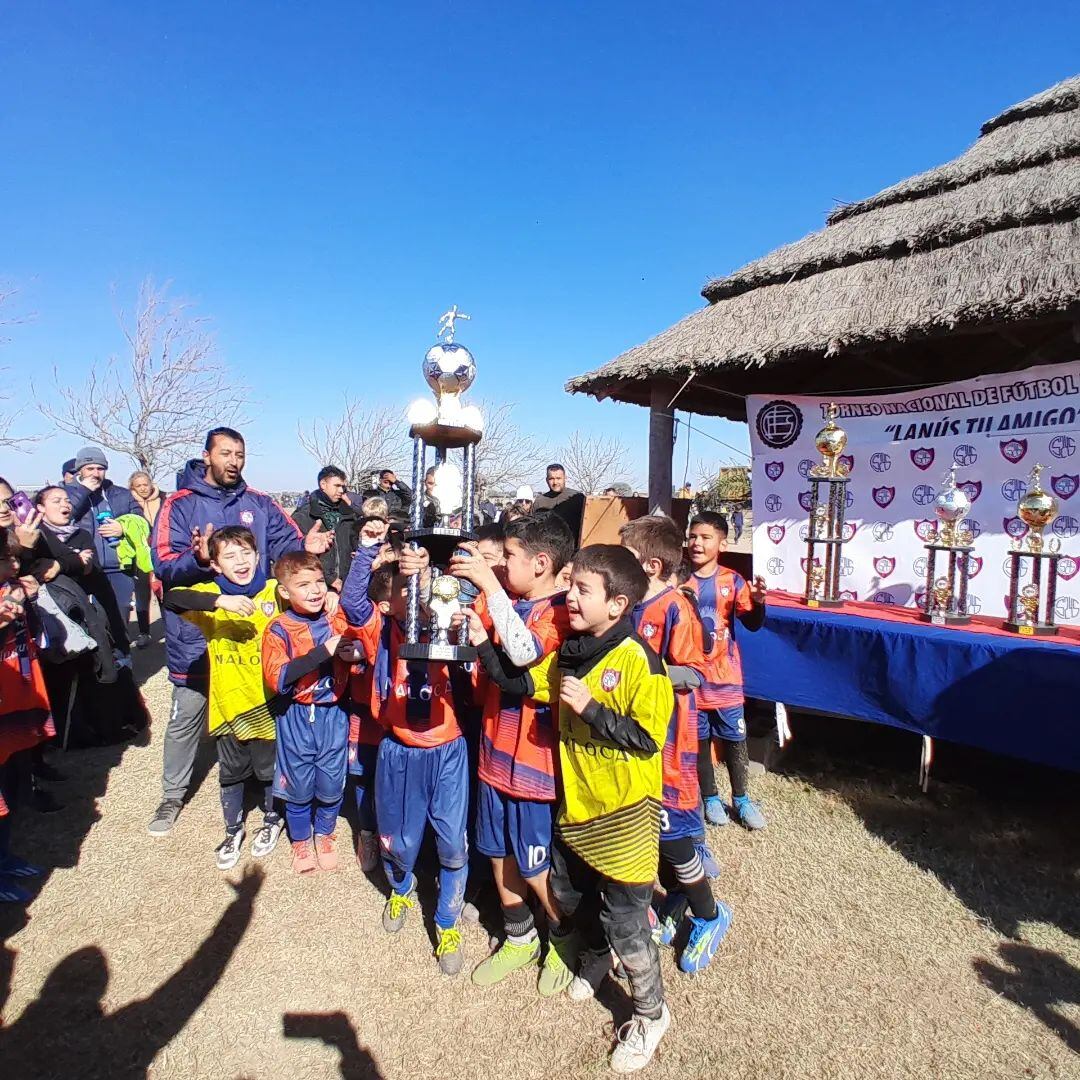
column 96, row 503
column 211, row 495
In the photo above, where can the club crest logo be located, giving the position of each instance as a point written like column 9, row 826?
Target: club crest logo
column 922, row 494
column 849, row 499
column 925, row 529
column 805, row 466
column 609, row 680
column 919, row 566
column 775, row 566
column 884, row 565
column 965, row 455
column 774, row 504
column 1013, row 450
column 1067, row 567
column 884, row 495
column 648, row 631
column 882, row 531
column 725, row 591
column 849, row 530
column 774, row 469
column 1006, row 568
column 884, row 598
column 805, row 501
column 847, row 567
column 922, row 457
column 246, row 517
column 1062, row 446
column 268, row 607
column 973, row 604
column 779, row 423
column 975, row 564
column 776, row 533
column 880, row 462
column 1065, row 486
column 1067, row 607
column 974, row 528
column 804, row 531
column 847, row 594
column 971, row 488
column 805, row 564
column 848, row 460
column 1065, row 526
column 1013, row 489
column 1013, row 526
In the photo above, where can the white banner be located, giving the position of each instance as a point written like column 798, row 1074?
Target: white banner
column 899, row 448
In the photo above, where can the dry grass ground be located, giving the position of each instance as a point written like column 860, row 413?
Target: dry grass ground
column 877, row 933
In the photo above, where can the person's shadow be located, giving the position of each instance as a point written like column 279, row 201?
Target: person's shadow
column 66, row 1032
column 336, row 1030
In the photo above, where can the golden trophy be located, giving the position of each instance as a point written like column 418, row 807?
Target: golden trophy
column 826, row 525
column 830, row 442
column 1036, row 509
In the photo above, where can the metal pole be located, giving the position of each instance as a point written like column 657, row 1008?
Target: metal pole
column 416, row 519
column 1051, row 591
column 468, row 510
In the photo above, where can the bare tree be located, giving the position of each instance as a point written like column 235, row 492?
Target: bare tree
column 593, row 462
column 358, row 441
column 9, row 416
column 156, row 404
column 506, row 456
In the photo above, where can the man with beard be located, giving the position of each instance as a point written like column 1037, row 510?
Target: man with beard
column 329, row 505
column 211, row 494
column 561, row 500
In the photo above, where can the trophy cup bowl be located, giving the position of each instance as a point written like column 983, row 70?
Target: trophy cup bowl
column 449, row 369
column 950, row 508
column 1037, row 509
column 830, row 442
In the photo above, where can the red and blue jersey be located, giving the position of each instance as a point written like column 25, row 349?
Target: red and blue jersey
column 669, row 625
column 519, row 741
column 291, row 636
column 721, row 597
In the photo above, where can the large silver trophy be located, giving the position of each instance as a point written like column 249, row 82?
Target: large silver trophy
column 826, row 527
column 444, row 424
column 945, row 602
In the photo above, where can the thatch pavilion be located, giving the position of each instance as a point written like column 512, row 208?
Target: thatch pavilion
column 971, row 268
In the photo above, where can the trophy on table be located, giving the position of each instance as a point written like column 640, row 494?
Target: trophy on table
column 826, row 526
column 444, row 424
column 946, row 596
column 1031, row 609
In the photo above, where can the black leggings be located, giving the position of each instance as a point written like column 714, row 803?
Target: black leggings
column 737, row 759
column 142, row 600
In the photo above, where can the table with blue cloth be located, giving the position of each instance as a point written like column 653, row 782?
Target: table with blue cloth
column 975, row 685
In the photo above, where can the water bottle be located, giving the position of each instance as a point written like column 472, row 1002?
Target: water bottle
column 107, row 515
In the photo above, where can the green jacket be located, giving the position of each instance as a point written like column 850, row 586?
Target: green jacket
column 134, row 545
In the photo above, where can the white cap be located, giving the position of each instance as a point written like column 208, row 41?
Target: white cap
column 524, row 494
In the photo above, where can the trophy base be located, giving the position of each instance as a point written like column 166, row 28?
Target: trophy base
column 426, row 650
column 440, row 541
column 818, row 602
column 445, row 436
column 946, row 620
column 1026, row 630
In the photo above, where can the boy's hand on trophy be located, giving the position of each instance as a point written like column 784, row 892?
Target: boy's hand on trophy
column 468, row 563
column 386, row 555
column 758, row 590
column 477, row 634
column 413, row 560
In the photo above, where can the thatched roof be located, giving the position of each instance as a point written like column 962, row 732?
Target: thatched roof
column 971, row 267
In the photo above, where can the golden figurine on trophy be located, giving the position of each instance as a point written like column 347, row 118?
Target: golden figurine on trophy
column 830, row 442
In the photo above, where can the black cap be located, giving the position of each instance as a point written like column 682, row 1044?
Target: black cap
column 68, row 466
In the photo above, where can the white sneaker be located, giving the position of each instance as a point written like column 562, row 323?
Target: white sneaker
column 637, row 1041
column 367, row 852
column 266, row 838
column 228, row 851
column 581, row 989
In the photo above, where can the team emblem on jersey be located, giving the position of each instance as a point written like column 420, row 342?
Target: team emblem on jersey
column 922, row 457
column 971, row 488
column 1065, row 486
column 1067, row 567
column 975, row 564
column 609, row 680
column 246, row 517
column 648, row 631
column 774, row 469
column 884, row 565
column 268, row 607
column 884, row 495
column 776, row 533
column 847, row 460
column 1014, row 527
column 926, row 529
column 725, row 591
column 1013, row 450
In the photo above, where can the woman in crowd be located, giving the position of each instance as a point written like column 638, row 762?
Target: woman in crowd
column 149, row 498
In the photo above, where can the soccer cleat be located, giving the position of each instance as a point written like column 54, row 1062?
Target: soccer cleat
column 748, row 813
column 161, row 824
column 10, row 893
column 325, row 851
column 508, row 958
column 229, row 850
column 705, row 936
column 558, row 971
column 637, row 1040
column 266, row 838
column 397, row 909
column 141, row 641
column 715, row 811
column 367, row 851
column 592, row 971
column 671, row 917
column 13, row 866
column 708, row 860
column 448, row 950
column 303, row 857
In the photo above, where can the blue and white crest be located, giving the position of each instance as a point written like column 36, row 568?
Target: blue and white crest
column 1065, row 486
column 880, row 462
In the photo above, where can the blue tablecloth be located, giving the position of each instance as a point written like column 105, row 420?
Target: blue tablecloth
column 1011, row 695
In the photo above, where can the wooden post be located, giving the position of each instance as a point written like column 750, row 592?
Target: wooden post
column 661, row 447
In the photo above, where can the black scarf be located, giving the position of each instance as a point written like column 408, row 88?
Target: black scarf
column 331, row 513
column 579, row 655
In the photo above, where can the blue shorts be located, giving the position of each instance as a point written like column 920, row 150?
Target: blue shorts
column 728, row 724
column 415, row 785
column 362, row 758
column 312, row 742
column 518, row 827
column 678, row 823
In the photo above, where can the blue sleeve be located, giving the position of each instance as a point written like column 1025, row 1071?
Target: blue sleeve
column 282, row 535
column 80, row 500
column 174, row 561
column 355, row 603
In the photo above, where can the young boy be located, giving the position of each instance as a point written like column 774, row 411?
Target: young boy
column 422, row 769
column 668, row 623
column 306, row 656
column 723, row 595
column 615, row 704
column 232, row 611
column 516, row 771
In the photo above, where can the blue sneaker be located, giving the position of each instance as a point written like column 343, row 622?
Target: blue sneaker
column 13, row 866
column 748, row 813
column 708, row 860
column 10, row 893
column 705, row 936
column 671, row 915
column 715, row 811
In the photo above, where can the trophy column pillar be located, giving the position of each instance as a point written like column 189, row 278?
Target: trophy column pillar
column 1051, row 590
column 1014, row 586
column 416, row 518
column 468, row 512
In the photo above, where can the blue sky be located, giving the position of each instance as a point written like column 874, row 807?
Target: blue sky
column 325, row 179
